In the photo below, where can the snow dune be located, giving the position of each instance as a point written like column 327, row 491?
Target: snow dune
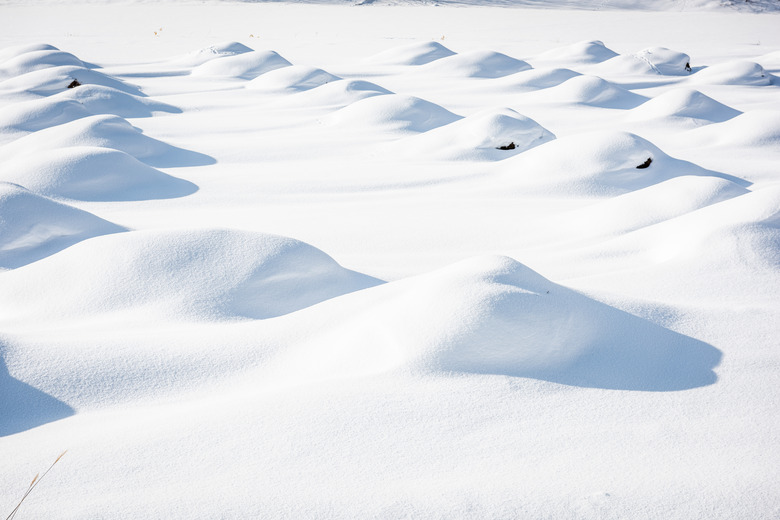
column 490, row 134
column 106, row 131
column 295, row 78
column 93, row 173
column 651, row 61
column 590, row 91
column 741, row 72
column 587, row 52
column 413, row 54
column 52, row 80
column 493, row 315
column 33, row 227
column 245, row 65
column 394, row 111
column 684, row 103
column 335, row 94
column 595, row 164
column 203, row 274
column 474, row 64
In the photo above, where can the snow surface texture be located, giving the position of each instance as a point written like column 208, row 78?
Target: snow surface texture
column 263, row 260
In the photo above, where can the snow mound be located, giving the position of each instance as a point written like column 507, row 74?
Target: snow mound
column 537, row 79
column 587, row 52
column 479, row 137
column 220, row 50
column 698, row 254
column 247, row 65
column 295, row 78
column 597, row 164
column 476, row 64
column 36, row 60
column 649, row 206
column 684, row 103
column 493, row 315
column 741, row 72
column 52, row 80
column 336, row 94
column 106, row 131
column 770, row 61
column 653, row 60
column 91, row 173
column 755, row 129
column 592, row 91
column 394, row 111
column 8, row 53
column 192, row 275
column 37, row 114
column 33, row 227
column 99, row 99
column 419, row 53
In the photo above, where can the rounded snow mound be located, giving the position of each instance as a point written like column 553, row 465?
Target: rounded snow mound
column 586, row 52
column 597, row 164
column 755, row 129
column 99, row 99
column 665, row 61
column 247, row 65
column 336, row 94
column 212, row 52
column 419, row 53
column 37, row 114
column 36, row 60
column 8, row 53
column 487, row 135
column 701, row 252
column 476, row 64
column 106, row 131
column 53, row 80
column 191, row 275
column 770, row 61
column 648, row 206
column 93, row 174
column 653, row 60
column 394, row 111
column 741, row 72
column 684, row 103
column 295, row 78
column 592, row 91
column 493, row 315
column 537, row 79
column 33, row 227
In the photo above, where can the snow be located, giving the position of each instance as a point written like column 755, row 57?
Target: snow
column 390, row 259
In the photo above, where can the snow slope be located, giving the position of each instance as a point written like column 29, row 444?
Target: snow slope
column 390, row 259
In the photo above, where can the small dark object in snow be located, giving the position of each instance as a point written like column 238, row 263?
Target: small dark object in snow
column 510, row 146
column 645, row 164
column 688, row 66
column 75, row 83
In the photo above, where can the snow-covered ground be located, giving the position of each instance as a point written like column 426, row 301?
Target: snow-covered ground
column 291, row 260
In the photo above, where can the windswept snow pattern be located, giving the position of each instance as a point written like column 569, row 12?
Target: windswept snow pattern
column 523, row 272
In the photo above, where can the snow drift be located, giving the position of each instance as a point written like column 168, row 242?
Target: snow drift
column 490, row 134
column 180, row 275
column 33, row 227
column 493, row 315
column 106, row 131
column 92, row 173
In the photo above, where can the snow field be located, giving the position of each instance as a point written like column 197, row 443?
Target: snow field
column 431, row 281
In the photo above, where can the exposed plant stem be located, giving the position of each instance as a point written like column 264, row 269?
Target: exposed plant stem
column 33, row 484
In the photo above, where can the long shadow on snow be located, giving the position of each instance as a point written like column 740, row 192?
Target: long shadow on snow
column 619, row 352
column 524, row 325
column 23, row 407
